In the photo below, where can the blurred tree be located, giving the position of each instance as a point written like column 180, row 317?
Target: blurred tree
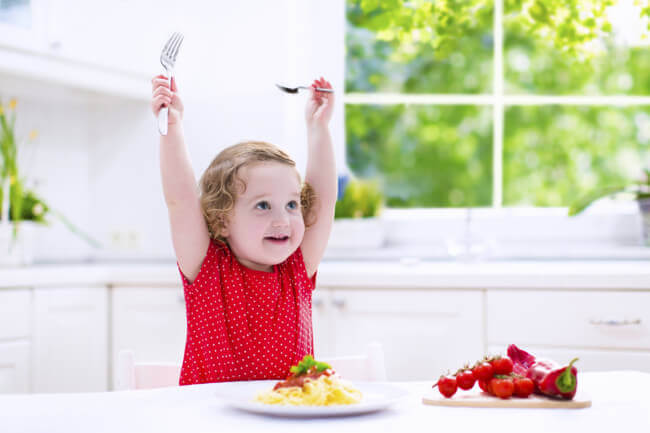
column 442, row 156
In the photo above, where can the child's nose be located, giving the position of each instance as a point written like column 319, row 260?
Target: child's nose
column 280, row 219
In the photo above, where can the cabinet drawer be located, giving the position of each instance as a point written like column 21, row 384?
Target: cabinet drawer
column 423, row 333
column 616, row 320
column 15, row 313
column 14, row 367
column 591, row 359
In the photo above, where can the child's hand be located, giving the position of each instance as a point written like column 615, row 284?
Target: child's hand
column 320, row 105
column 162, row 96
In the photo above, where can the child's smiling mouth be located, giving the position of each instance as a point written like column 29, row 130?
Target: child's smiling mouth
column 277, row 239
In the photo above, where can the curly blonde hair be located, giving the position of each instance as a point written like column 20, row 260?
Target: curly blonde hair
column 220, row 183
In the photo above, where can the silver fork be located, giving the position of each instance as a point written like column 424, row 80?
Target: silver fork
column 167, row 60
column 298, row 88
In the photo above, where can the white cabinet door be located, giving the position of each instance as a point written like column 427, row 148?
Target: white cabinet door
column 423, row 333
column 150, row 322
column 14, row 367
column 589, row 359
column 322, row 323
column 115, row 35
column 70, row 339
column 15, row 313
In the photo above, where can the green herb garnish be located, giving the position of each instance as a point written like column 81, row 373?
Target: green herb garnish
column 308, row 362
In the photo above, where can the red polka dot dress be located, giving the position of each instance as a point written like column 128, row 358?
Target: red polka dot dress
column 244, row 324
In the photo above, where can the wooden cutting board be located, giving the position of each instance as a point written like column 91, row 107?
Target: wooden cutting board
column 474, row 398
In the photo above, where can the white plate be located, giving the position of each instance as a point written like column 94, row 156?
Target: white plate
column 376, row 396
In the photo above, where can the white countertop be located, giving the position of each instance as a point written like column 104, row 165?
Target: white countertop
column 599, row 275
column 620, row 402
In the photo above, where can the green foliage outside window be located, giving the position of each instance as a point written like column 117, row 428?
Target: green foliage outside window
column 442, row 156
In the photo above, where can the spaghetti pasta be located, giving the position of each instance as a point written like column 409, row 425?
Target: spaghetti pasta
column 322, row 391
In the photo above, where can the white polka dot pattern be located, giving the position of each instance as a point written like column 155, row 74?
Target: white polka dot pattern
column 244, row 324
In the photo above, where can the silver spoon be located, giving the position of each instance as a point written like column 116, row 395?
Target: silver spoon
column 298, row 88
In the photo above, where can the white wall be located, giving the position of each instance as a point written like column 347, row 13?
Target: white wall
column 97, row 157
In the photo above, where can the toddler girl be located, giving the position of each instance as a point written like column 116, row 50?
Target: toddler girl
column 247, row 244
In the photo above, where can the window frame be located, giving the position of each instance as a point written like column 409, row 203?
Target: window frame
column 498, row 100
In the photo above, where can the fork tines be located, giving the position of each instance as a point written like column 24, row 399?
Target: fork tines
column 170, row 50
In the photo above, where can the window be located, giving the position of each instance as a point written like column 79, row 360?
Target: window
column 496, row 103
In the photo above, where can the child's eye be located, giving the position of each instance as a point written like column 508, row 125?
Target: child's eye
column 293, row 205
column 263, row 205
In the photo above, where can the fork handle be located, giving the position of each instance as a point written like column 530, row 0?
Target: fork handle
column 162, row 120
column 163, row 114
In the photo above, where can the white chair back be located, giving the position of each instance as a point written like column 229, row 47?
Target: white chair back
column 144, row 375
column 367, row 367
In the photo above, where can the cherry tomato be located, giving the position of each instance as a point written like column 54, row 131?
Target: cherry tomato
column 523, row 387
column 484, row 371
column 502, row 388
column 465, row 379
column 502, row 365
column 447, row 385
column 483, row 385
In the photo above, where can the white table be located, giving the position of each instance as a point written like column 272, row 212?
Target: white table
column 621, row 403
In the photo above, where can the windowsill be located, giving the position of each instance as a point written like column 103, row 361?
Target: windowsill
column 526, row 252
column 606, row 231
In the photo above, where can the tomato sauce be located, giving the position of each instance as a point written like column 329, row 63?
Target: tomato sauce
column 299, row 381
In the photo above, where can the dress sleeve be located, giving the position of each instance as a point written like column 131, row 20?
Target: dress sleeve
column 209, row 269
column 297, row 263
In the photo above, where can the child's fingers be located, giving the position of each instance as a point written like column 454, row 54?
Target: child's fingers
column 159, row 82
column 162, row 91
column 160, row 101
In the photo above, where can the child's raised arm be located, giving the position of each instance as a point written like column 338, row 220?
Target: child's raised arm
column 320, row 174
column 189, row 231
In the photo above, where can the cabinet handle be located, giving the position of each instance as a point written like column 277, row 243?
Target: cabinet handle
column 339, row 303
column 318, row 303
column 613, row 322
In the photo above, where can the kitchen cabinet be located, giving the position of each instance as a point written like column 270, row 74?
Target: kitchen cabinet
column 76, row 44
column 63, row 325
column 15, row 313
column 150, row 321
column 102, row 34
column 15, row 340
column 14, row 367
column 70, row 339
column 589, row 359
column 606, row 329
column 422, row 332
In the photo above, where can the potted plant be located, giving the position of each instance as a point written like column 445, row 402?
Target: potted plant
column 355, row 219
column 639, row 189
column 20, row 207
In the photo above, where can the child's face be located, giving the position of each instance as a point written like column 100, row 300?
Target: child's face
column 266, row 224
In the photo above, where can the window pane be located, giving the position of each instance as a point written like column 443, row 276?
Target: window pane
column 419, row 47
column 425, row 156
column 554, row 155
column 576, row 47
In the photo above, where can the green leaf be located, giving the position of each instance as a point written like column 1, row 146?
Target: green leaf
column 584, row 202
column 308, row 362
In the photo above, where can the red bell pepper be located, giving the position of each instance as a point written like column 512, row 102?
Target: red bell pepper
column 550, row 378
